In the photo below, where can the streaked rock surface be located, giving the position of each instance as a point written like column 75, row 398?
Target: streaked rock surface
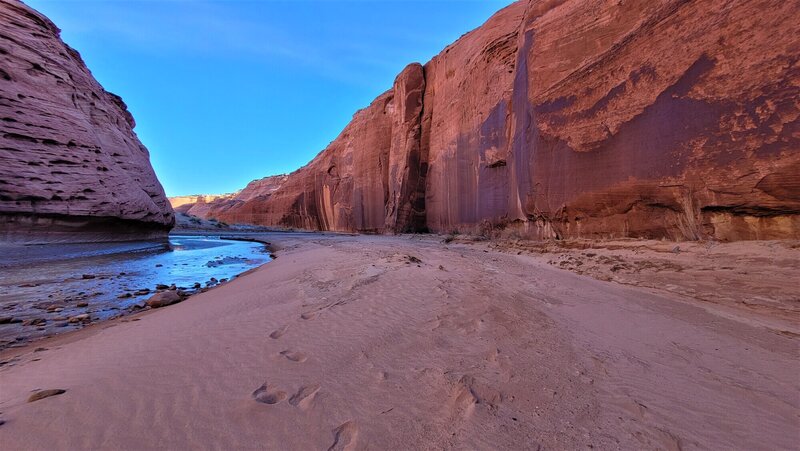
column 568, row 118
column 71, row 167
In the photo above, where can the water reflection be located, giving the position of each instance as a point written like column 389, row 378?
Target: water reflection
column 43, row 288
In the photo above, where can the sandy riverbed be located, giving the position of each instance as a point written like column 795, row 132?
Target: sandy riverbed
column 364, row 342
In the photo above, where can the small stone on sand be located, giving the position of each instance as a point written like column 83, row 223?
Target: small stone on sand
column 163, row 299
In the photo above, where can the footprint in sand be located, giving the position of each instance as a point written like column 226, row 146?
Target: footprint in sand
column 344, row 437
column 278, row 333
column 268, row 394
column 308, row 315
column 304, row 396
column 294, row 356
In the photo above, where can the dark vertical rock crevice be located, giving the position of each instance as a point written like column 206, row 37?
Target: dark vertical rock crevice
column 417, row 217
column 523, row 132
column 405, row 176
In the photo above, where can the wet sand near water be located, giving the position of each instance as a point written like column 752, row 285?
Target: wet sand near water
column 49, row 289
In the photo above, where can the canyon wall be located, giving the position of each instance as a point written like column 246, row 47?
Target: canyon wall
column 71, row 167
column 572, row 118
column 368, row 179
column 180, row 201
column 209, row 206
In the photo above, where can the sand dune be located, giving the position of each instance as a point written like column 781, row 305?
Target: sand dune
column 363, row 342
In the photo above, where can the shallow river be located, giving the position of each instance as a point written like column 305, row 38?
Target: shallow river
column 44, row 288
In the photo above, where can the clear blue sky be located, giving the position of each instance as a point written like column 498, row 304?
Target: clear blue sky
column 228, row 91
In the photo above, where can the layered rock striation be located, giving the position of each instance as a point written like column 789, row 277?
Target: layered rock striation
column 71, row 167
column 567, row 118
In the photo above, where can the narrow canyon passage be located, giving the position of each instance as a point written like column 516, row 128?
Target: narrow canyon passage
column 357, row 342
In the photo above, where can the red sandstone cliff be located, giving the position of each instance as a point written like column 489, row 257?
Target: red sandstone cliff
column 185, row 202
column 71, row 167
column 569, row 118
column 209, row 206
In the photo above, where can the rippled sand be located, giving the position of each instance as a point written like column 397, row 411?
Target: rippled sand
column 372, row 342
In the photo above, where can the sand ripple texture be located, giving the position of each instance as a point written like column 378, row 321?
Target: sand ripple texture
column 348, row 343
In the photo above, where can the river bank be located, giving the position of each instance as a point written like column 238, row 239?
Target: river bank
column 54, row 288
column 354, row 342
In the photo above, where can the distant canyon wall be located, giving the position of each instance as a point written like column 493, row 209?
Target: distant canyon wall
column 71, row 167
column 572, row 118
column 179, row 201
column 209, row 206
